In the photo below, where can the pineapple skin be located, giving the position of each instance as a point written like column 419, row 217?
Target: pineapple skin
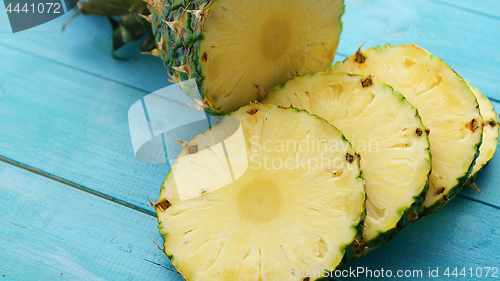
column 410, row 215
column 490, row 119
column 178, row 36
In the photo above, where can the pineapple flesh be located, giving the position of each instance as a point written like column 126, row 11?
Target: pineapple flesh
column 490, row 133
column 273, row 220
column 385, row 130
column 444, row 101
column 237, row 50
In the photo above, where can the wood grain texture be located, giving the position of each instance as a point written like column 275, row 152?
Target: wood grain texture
column 74, row 126
column 50, row 231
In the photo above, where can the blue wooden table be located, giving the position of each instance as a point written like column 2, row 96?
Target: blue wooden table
column 74, row 200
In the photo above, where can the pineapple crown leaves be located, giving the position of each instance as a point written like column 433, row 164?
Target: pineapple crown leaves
column 130, row 27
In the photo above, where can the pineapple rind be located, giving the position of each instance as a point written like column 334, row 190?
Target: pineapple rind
column 180, row 49
column 490, row 133
column 348, row 250
column 461, row 180
column 408, row 214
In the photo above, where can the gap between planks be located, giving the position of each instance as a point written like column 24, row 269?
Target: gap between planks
column 479, row 201
column 74, row 185
column 147, row 212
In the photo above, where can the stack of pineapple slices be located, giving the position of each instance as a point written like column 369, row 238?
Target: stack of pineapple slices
column 417, row 142
column 446, row 104
column 384, row 129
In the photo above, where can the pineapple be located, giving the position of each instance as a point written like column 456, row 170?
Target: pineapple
column 237, row 50
column 444, row 101
column 490, row 133
column 385, row 130
column 298, row 206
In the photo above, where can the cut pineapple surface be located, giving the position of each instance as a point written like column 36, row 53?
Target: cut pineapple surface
column 384, row 129
column 445, row 103
column 490, row 132
column 297, row 207
column 236, row 50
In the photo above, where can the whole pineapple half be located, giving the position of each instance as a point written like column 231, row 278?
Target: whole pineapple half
column 385, row 130
column 237, row 50
column 272, row 220
column 490, row 133
column 445, row 103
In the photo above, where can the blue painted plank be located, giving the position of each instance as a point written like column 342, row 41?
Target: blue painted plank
column 487, row 8
column 50, row 230
column 466, row 41
column 74, row 126
column 462, row 234
column 86, row 45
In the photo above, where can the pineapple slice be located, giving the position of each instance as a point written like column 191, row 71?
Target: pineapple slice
column 237, row 50
column 385, row 130
column 444, row 101
column 490, row 133
column 297, row 207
